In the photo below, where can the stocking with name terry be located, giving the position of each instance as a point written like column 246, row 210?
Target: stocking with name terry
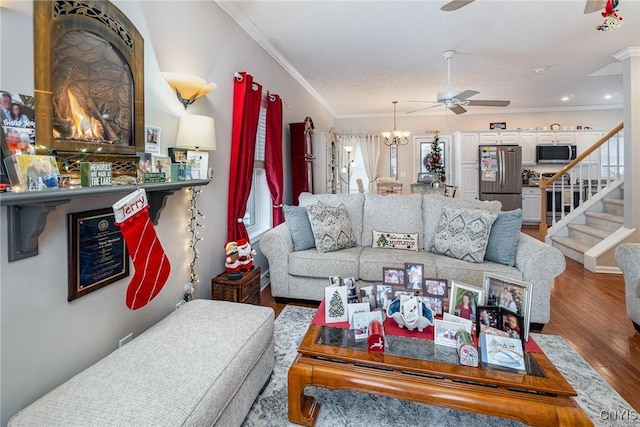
column 149, row 259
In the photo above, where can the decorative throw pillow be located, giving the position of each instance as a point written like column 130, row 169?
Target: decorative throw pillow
column 463, row 233
column 503, row 240
column 297, row 220
column 331, row 227
column 384, row 239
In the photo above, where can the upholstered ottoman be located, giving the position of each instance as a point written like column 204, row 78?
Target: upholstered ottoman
column 202, row 365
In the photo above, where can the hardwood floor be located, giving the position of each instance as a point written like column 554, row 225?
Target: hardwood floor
column 588, row 310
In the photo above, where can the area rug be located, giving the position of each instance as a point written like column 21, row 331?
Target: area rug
column 346, row 408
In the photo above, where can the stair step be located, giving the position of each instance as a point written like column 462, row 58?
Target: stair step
column 613, row 206
column 604, row 220
column 613, row 201
column 571, row 248
column 587, row 229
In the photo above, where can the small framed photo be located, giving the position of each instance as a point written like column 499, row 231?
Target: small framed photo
column 399, row 292
column 512, row 323
column 436, row 287
column 465, row 300
column 335, row 281
column 178, row 155
column 436, row 304
column 413, row 274
column 384, row 295
column 445, row 332
column 368, row 294
column 488, row 317
column 152, row 141
column 392, row 276
column 512, row 294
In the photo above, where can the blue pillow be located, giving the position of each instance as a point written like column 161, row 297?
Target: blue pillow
column 297, row 220
column 504, row 236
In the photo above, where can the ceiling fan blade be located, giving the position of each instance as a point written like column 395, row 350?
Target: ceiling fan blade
column 594, row 6
column 458, row 109
column 426, row 102
column 455, row 5
column 488, row 103
column 466, row 94
column 422, row 109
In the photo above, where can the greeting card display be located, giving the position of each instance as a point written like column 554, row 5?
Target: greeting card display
column 335, row 304
column 502, row 351
column 362, row 322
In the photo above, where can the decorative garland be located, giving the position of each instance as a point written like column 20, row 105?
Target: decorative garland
column 193, row 226
column 611, row 18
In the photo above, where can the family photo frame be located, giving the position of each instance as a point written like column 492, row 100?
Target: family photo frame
column 465, row 299
column 436, row 287
column 393, row 276
column 413, row 274
column 511, row 294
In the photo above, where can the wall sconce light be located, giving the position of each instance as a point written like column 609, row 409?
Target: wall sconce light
column 188, row 88
column 196, row 133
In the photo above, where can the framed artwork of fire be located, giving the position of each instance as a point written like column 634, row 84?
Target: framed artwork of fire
column 89, row 82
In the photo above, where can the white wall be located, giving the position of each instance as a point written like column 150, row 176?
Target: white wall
column 424, row 125
column 45, row 339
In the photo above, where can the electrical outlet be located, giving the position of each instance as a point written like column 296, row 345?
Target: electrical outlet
column 125, row 340
column 403, row 174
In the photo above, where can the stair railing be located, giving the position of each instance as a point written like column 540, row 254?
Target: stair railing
column 586, row 178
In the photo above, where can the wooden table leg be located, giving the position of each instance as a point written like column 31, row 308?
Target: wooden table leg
column 303, row 409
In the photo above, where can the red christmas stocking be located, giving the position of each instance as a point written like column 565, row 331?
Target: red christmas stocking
column 151, row 264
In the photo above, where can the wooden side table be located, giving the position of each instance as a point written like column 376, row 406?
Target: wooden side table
column 244, row 290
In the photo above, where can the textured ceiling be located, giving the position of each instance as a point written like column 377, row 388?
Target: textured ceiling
column 361, row 55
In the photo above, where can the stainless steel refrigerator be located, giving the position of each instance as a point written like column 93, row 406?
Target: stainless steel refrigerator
column 501, row 175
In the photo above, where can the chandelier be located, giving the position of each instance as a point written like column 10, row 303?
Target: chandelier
column 396, row 137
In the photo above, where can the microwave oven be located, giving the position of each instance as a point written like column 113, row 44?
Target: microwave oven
column 562, row 153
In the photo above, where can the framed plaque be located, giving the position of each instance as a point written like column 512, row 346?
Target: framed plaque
column 97, row 252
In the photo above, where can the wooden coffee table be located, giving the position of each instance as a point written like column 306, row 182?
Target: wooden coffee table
column 420, row 371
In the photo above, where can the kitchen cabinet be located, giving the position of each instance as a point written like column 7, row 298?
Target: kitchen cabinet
column 584, row 140
column 557, row 138
column 528, row 142
column 531, row 205
column 499, row 138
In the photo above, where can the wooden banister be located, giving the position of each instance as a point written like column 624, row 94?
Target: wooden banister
column 545, row 183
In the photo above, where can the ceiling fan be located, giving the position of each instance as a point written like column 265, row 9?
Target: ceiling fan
column 590, row 7
column 455, row 100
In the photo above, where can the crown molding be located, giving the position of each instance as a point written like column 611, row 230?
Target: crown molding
column 627, row 52
column 252, row 31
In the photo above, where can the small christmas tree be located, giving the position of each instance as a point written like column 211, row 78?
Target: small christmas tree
column 336, row 307
column 433, row 161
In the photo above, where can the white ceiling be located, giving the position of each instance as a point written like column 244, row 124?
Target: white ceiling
column 358, row 56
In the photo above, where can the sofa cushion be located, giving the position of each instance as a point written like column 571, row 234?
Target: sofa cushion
column 467, row 272
column 372, row 261
column 503, row 240
column 433, row 206
column 463, row 233
column 297, row 220
column 393, row 213
column 331, row 227
column 312, row 263
column 386, row 240
column 354, row 203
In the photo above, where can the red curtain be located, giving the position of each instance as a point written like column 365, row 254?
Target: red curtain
column 246, row 109
column 273, row 156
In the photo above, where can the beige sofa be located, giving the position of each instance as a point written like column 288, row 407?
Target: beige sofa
column 303, row 274
column 203, row 365
column 628, row 259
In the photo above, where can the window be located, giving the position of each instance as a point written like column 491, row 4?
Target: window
column 258, row 216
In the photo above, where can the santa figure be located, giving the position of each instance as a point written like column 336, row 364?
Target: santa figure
column 245, row 254
column 231, row 262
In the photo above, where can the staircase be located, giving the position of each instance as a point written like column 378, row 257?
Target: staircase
column 587, row 211
column 594, row 226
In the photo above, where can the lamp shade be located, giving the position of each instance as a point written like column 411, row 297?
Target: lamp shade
column 196, row 133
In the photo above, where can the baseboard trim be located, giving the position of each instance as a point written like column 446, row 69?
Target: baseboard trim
column 608, row 270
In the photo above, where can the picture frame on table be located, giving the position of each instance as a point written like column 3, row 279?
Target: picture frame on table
column 368, row 294
column 464, row 300
column 399, row 291
column 488, row 318
column 436, row 304
column 392, row 276
column 512, row 294
column 445, row 333
column 413, row 274
column 436, row 287
column 384, row 295
column 513, row 324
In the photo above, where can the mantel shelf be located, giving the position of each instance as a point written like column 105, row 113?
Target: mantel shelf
column 27, row 211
